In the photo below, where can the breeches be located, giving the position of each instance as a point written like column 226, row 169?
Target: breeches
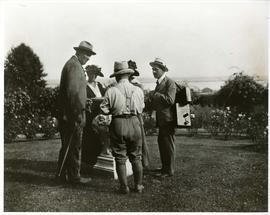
column 126, row 139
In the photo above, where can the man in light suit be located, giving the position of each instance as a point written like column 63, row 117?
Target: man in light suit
column 163, row 100
column 72, row 102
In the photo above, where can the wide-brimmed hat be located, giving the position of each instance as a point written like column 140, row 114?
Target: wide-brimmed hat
column 85, row 46
column 94, row 69
column 160, row 64
column 121, row 68
column 132, row 65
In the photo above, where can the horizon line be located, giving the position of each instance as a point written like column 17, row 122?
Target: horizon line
column 188, row 78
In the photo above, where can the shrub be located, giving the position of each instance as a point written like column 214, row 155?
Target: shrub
column 24, row 70
column 149, row 124
column 16, row 104
column 48, row 126
column 207, row 100
column 24, row 115
column 241, row 92
column 202, row 116
column 46, row 104
column 222, row 121
column 258, row 125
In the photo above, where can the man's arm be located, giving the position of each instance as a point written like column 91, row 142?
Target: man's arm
column 105, row 104
column 168, row 98
column 76, row 91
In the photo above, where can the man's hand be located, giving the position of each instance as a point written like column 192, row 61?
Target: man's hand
column 89, row 103
column 80, row 120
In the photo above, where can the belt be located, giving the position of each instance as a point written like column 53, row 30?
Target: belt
column 124, row 116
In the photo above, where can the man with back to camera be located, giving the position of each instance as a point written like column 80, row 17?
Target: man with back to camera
column 72, row 104
column 125, row 101
column 162, row 100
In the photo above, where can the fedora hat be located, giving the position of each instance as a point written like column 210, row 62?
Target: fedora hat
column 121, row 68
column 160, row 64
column 85, row 46
column 94, row 69
column 133, row 65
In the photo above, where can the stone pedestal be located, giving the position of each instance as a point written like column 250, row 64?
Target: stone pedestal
column 106, row 163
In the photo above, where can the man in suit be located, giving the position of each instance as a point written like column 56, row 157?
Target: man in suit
column 124, row 102
column 72, row 103
column 162, row 101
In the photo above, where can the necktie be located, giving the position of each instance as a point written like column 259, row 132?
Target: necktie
column 156, row 85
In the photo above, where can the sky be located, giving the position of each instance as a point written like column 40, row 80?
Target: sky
column 194, row 38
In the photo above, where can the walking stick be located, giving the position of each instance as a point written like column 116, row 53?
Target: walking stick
column 66, row 153
column 145, row 151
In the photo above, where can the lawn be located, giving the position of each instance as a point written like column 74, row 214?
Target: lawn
column 211, row 176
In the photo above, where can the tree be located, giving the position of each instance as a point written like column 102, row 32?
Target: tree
column 207, row 90
column 23, row 70
column 241, row 92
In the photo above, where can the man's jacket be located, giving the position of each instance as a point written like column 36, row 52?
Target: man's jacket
column 72, row 92
column 163, row 101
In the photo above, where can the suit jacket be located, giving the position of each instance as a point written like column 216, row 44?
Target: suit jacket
column 91, row 94
column 163, row 101
column 72, row 92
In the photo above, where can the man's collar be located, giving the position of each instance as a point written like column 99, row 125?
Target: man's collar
column 123, row 80
column 161, row 78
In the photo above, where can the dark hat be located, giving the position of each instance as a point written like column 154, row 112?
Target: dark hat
column 94, row 69
column 133, row 65
column 85, row 46
column 160, row 64
column 121, row 68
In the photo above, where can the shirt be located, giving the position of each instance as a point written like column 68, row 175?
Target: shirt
column 124, row 98
column 94, row 87
column 161, row 78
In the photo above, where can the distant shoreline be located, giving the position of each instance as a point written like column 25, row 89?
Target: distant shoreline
column 197, row 83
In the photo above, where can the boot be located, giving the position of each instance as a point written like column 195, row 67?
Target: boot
column 122, row 177
column 138, row 175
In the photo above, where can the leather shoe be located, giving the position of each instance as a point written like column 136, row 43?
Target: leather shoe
column 139, row 188
column 123, row 190
column 158, row 170
column 80, row 181
column 163, row 175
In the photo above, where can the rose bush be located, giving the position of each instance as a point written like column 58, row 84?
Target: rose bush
column 24, row 115
column 229, row 122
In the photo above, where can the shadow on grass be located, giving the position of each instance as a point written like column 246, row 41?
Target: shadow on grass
column 33, row 165
column 43, row 173
column 29, row 178
column 259, row 148
column 30, row 172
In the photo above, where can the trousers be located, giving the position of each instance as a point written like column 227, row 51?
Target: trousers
column 71, row 139
column 126, row 139
column 167, row 147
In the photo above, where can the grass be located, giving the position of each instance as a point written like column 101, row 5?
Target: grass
column 211, row 176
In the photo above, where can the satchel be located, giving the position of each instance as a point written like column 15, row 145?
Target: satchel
column 182, row 106
column 182, row 96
